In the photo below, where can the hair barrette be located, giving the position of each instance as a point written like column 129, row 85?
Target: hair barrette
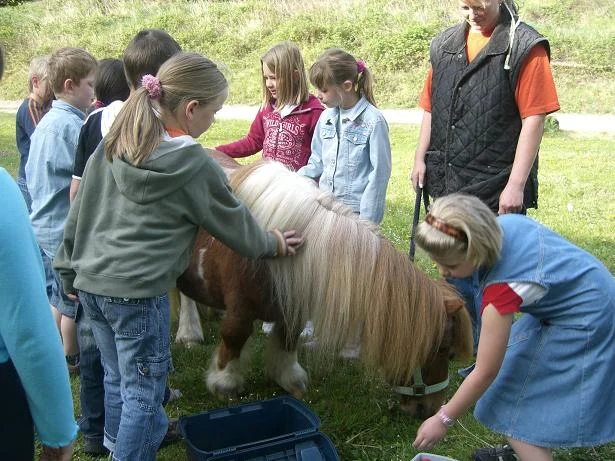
column 445, row 228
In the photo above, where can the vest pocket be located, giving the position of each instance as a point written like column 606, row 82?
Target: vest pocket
column 435, row 173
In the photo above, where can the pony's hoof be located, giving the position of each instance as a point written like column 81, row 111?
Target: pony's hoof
column 226, row 383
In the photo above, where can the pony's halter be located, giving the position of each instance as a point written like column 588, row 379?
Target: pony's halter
column 419, row 389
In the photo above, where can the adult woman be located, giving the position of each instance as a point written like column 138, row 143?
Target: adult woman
column 485, row 99
column 542, row 381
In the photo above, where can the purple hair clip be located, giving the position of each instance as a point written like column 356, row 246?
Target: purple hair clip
column 360, row 66
column 152, row 85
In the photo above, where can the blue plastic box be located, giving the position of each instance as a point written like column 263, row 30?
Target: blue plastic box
column 278, row 429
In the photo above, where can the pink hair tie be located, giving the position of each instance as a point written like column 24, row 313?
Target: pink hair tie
column 360, row 66
column 98, row 104
column 152, row 85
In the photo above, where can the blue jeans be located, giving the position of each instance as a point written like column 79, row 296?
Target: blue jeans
column 469, row 289
column 91, row 381
column 134, row 340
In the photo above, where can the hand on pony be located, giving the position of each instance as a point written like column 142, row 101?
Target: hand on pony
column 430, row 433
column 288, row 242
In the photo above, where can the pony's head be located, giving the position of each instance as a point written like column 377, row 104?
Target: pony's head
column 427, row 391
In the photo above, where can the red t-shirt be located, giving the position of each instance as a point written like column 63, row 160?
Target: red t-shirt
column 535, row 93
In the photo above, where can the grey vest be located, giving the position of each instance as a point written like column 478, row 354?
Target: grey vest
column 475, row 122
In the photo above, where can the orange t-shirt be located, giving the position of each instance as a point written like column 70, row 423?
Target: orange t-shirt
column 535, row 93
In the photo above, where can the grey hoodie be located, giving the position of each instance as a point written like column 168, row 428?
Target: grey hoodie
column 131, row 230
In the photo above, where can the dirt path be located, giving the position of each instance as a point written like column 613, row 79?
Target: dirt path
column 580, row 123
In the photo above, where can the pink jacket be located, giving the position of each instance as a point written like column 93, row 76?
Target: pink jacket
column 287, row 140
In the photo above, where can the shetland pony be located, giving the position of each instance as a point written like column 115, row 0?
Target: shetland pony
column 347, row 278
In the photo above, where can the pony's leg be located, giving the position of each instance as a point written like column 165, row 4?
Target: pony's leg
column 281, row 361
column 225, row 377
column 190, row 331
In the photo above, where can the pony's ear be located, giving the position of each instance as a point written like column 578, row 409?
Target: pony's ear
column 452, row 304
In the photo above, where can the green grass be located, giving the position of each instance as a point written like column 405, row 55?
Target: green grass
column 577, row 200
column 391, row 36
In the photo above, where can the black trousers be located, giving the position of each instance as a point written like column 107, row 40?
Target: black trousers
column 16, row 428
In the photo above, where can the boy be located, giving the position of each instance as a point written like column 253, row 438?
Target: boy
column 29, row 114
column 146, row 52
column 48, row 171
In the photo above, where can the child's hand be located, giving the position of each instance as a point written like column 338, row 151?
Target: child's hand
column 72, row 296
column 288, row 242
column 430, row 433
column 57, row 454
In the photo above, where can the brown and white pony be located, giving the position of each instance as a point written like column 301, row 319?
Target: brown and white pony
column 347, row 278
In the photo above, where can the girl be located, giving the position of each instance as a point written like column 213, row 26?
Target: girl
column 284, row 126
column 351, row 153
column 130, row 233
column 551, row 386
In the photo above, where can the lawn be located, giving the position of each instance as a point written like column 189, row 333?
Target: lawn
column 577, row 200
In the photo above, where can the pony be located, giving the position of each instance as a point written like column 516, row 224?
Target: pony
column 347, row 278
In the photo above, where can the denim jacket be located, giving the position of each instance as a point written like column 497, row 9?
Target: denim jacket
column 355, row 165
column 49, row 171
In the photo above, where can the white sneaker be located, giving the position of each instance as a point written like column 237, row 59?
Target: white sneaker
column 351, row 351
column 308, row 331
column 267, row 327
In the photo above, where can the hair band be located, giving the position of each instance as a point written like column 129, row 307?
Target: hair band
column 360, row 66
column 152, row 85
column 447, row 229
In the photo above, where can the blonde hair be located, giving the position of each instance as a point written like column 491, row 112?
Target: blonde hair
column 473, row 218
column 335, row 66
column 286, row 63
column 39, row 67
column 69, row 63
column 138, row 129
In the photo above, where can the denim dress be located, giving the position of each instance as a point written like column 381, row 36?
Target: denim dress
column 556, row 384
column 353, row 163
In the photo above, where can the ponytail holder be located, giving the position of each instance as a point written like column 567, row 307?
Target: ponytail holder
column 360, row 66
column 98, row 104
column 152, row 85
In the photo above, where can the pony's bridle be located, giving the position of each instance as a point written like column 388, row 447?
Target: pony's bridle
column 418, row 388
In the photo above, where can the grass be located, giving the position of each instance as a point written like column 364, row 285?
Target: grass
column 391, row 36
column 577, row 200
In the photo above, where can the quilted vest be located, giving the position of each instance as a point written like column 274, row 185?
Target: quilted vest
column 475, row 122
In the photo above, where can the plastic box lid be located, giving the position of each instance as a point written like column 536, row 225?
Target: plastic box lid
column 244, row 426
column 310, row 447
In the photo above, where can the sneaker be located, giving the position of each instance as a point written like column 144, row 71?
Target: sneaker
column 498, row 453
column 267, row 327
column 351, row 351
column 94, row 447
column 308, row 331
column 72, row 362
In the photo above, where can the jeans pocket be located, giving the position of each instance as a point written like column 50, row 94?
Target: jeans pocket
column 126, row 316
column 152, row 379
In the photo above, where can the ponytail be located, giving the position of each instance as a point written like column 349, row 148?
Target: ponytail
column 138, row 129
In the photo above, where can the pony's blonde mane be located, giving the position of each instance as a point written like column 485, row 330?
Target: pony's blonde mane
column 347, row 279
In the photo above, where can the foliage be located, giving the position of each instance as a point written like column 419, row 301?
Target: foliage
column 392, row 37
